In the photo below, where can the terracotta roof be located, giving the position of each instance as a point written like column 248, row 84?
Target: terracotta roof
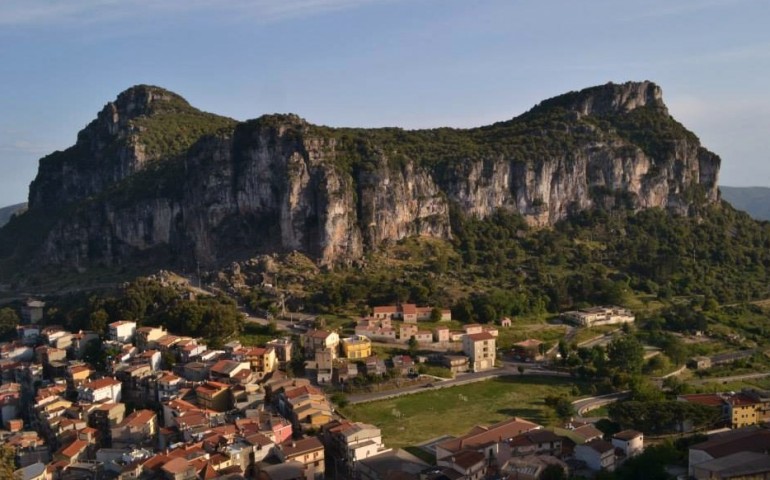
column 101, row 383
column 599, row 445
column 468, row 458
column 751, row 439
column 588, row 432
column 305, row 445
column 319, row 334
column 708, row 399
column 479, row 435
column 73, row 448
column 740, row 400
column 477, row 337
column 121, row 322
column 176, row 465
column 138, row 418
column 385, row 309
column 627, row 435
column 409, row 308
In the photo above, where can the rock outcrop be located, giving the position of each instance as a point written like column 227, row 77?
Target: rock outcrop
column 154, row 179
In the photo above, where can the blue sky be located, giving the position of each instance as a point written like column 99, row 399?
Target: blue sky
column 408, row 63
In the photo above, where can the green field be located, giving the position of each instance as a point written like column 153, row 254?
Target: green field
column 412, row 419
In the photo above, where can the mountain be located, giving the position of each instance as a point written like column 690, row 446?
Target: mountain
column 153, row 180
column 753, row 200
column 7, row 212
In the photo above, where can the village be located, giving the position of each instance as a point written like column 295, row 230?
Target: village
column 164, row 406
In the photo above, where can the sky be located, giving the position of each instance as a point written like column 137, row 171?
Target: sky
column 370, row 63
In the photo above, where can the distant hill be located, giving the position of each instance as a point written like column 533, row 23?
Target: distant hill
column 7, row 212
column 753, row 200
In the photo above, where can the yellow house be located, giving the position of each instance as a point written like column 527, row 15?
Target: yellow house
column 213, row 396
column 744, row 410
column 357, row 347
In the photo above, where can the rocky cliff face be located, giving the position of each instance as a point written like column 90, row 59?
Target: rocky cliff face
column 211, row 190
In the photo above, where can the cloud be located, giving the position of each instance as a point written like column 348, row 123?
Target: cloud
column 56, row 12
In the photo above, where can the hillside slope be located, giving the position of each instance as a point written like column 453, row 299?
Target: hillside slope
column 153, row 180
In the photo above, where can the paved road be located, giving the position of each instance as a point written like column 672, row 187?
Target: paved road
column 732, row 378
column 587, row 404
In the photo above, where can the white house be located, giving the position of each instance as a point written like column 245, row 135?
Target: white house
column 104, row 389
column 122, row 331
column 597, row 455
column 630, row 442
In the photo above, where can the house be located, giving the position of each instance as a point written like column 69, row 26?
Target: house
column 719, row 445
column 597, row 316
column 455, row 363
column 480, row 349
column 262, row 360
column 356, row 347
column 743, row 410
column 351, row 442
column 32, row 311
column 72, row 452
column 630, row 442
column 375, row 366
column 307, row 451
column 534, row 442
column 139, row 428
column 214, row 396
column 485, row 439
column 470, row 464
column 283, row 349
column 35, row 471
column 529, row 350
column 282, row 471
column 390, row 465
column 403, row 364
column 441, row 334
column 225, row 370
column 409, row 313
column 28, row 334
column 472, row 328
column 407, row 331
column 424, row 336
column 150, row 357
column 191, row 350
column 315, row 340
column 505, row 322
column 122, row 331
column 146, row 337
column 531, row 467
column 739, row 466
column 597, row 454
column 105, row 389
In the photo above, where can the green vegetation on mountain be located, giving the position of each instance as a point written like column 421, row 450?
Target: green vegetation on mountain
column 500, row 267
column 172, row 126
column 150, row 302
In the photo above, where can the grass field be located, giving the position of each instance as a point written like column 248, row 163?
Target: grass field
column 412, row 419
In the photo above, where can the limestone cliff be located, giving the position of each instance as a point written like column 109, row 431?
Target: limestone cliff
column 154, row 179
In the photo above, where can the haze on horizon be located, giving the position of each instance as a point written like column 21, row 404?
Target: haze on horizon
column 369, row 63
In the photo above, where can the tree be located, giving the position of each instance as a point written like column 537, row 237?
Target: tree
column 7, row 462
column 520, row 368
column 435, row 314
column 412, row 345
column 9, row 320
column 626, row 354
column 553, row 472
